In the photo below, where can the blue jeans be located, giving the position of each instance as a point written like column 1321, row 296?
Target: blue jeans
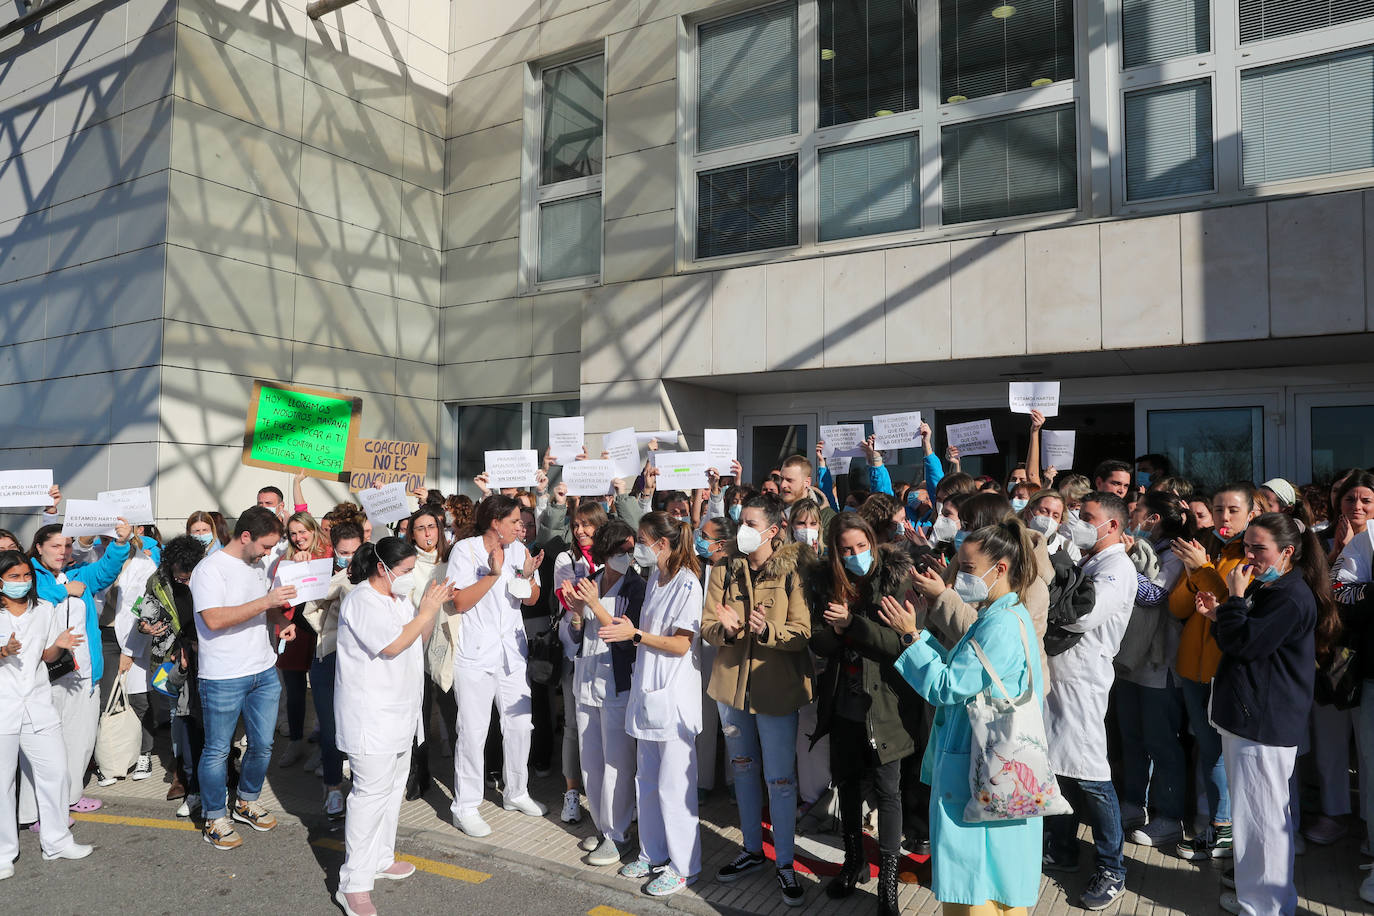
column 322, row 690
column 255, row 697
column 1210, row 761
column 1098, row 804
column 749, row 738
column 1154, row 769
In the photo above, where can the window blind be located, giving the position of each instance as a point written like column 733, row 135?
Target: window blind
column 1155, row 30
column 570, row 238
column 573, row 105
column 992, row 46
column 1261, row 19
column 1010, row 166
column 867, row 188
column 1313, row 117
column 1169, row 140
column 747, row 208
column 747, row 77
column 868, row 58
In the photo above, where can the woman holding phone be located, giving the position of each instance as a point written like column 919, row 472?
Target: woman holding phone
column 379, row 684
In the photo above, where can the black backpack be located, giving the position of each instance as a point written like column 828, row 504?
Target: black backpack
column 1071, row 597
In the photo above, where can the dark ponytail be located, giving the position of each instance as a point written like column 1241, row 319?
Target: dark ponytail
column 1310, row 560
column 1011, row 541
column 1175, row 521
column 389, row 551
column 662, row 526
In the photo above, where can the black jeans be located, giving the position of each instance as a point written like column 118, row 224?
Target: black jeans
column 916, row 794
column 853, row 771
column 145, row 706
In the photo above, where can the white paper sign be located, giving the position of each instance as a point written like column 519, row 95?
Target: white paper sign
column 86, row 517
column 843, row 441
column 721, row 447
column 839, row 466
column 664, row 437
column 682, row 470
column 972, row 438
column 135, row 504
column 566, row 438
column 25, row 488
column 311, row 578
column 898, row 430
column 624, row 451
column 589, row 478
column 1027, row 396
column 387, row 504
column 516, row 467
column 1056, row 448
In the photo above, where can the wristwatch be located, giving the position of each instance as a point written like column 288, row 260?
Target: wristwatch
column 637, row 638
column 908, row 639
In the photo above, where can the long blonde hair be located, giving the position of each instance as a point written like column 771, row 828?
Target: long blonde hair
column 319, row 545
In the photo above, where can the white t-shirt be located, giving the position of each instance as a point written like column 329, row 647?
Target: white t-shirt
column 665, row 694
column 24, row 689
column 221, row 580
column 493, row 630
column 376, row 699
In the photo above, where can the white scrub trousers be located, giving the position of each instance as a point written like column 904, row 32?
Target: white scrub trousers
column 374, row 807
column 666, row 787
column 1261, row 825
column 79, row 709
column 475, row 691
column 45, row 760
column 608, row 768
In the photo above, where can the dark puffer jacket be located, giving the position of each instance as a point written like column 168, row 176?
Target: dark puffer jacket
column 893, row 707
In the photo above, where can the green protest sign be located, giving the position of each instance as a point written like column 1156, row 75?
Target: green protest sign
column 290, row 427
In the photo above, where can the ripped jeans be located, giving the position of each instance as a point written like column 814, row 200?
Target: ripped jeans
column 751, row 738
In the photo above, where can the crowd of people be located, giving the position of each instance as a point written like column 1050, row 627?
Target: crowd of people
column 1183, row 648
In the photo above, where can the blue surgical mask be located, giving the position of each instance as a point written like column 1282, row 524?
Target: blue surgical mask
column 1018, row 504
column 16, row 590
column 703, row 546
column 860, row 563
column 735, row 511
column 207, row 538
column 342, row 561
column 959, row 537
column 1140, row 534
column 851, row 509
column 1269, row 575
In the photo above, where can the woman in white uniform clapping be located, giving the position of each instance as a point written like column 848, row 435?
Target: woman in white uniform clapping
column 378, row 686
column 664, row 709
column 31, row 633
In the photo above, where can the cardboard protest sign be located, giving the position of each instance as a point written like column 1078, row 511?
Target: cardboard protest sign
column 89, row 517
column 135, row 504
column 588, row 478
column 972, row 438
column 516, row 467
column 25, row 488
column 290, row 428
column 897, row 430
column 1023, row 397
column 1056, row 448
column 385, row 505
column 567, row 438
column 374, row 463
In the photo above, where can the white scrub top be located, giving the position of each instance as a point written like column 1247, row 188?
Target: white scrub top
column 665, row 692
column 376, row 699
column 594, row 669
column 24, row 689
column 493, row 632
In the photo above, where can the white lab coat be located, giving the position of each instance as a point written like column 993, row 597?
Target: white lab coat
column 25, row 694
column 492, row 634
column 1076, row 710
column 376, row 699
column 133, row 642
column 664, row 699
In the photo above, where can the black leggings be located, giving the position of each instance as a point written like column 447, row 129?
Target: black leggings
column 853, row 772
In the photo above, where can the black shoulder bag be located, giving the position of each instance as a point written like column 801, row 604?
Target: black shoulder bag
column 65, row 663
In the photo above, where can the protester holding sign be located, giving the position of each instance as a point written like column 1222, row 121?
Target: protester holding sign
column 32, row 634
column 76, row 692
column 305, row 542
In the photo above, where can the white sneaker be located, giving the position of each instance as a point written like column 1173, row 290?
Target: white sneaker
column 525, row 805
column 572, row 811
column 102, row 780
column 188, row 804
column 6, row 871
column 588, row 843
column 74, row 851
column 473, row 825
column 334, row 803
column 608, row 853
column 347, row 770
column 144, row 768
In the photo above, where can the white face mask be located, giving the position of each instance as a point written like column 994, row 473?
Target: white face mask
column 944, row 529
column 808, row 536
column 645, row 556
column 401, row 586
column 620, row 563
column 972, row 589
column 1042, row 523
column 748, row 540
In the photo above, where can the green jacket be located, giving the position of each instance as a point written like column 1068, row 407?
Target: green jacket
column 894, row 709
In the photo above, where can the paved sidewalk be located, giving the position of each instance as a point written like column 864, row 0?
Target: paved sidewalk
column 1157, row 884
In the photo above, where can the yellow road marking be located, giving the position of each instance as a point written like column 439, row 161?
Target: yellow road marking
column 607, row 911
column 137, row 822
column 443, row 869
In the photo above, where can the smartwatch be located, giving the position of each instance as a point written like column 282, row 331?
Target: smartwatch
column 637, row 638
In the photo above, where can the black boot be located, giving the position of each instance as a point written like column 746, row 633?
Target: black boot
column 853, row 871
column 418, row 781
column 887, row 886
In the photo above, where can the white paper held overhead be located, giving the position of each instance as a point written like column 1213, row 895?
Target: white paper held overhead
column 897, row 430
column 135, row 504
column 972, row 438
column 722, row 447
column 589, row 478
column 385, row 505
column 682, row 470
column 87, row 517
column 1056, row 448
column 623, row 449
column 26, row 488
column 1023, row 397
column 566, row 438
column 843, row 440
column 516, row 467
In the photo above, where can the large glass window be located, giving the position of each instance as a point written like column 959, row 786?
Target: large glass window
column 868, row 54
column 1155, row 30
column 1260, row 19
column 1313, row 117
column 1009, row 166
column 992, row 46
column 492, row 427
column 1342, row 437
column 747, row 208
column 570, row 238
column 868, row 188
column 775, row 443
column 747, row 77
column 573, row 108
column 1169, row 140
column 1210, row 446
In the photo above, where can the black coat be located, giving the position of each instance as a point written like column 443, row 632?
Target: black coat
column 1263, row 687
